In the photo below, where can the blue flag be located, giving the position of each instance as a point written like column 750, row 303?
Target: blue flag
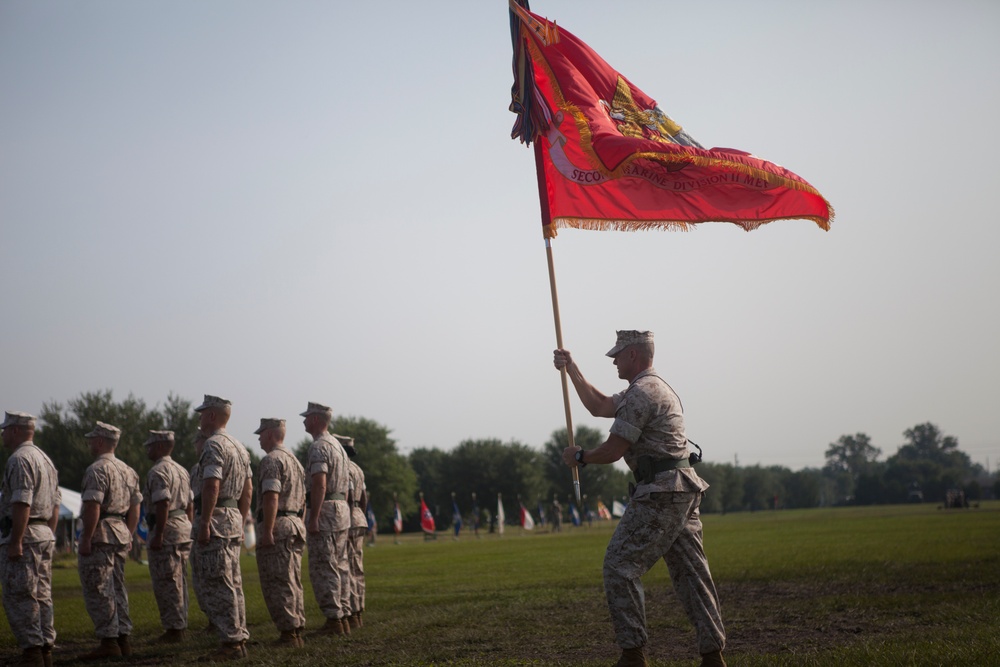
column 456, row 516
column 574, row 514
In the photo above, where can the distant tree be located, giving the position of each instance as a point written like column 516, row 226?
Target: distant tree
column 61, row 435
column 387, row 472
column 597, row 481
column 61, row 432
column 929, row 462
column 849, row 458
column 802, row 489
column 484, row 467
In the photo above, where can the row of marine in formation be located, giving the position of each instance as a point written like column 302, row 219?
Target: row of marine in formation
column 196, row 518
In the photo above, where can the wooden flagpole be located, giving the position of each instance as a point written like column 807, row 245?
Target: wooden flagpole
column 543, row 198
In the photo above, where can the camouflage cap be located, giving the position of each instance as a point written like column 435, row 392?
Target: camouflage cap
column 213, row 402
column 268, row 422
column 159, row 436
column 344, row 439
column 630, row 337
column 317, row 409
column 17, row 419
column 102, row 430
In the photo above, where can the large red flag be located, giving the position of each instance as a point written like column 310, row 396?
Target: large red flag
column 609, row 158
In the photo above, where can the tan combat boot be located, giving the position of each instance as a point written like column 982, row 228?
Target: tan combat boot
column 345, row 626
column 125, row 646
column 633, row 657
column 172, row 637
column 31, row 657
column 288, row 639
column 713, row 659
column 47, row 655
column 225, row 653
column 107, row 650
column 331, row 627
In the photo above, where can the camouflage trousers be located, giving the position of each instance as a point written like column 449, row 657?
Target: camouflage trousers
column 280, row 569
column 221, row 583
column 102, row 575
column 668, row 526
column 330, row 572
column 196, row 580
column 355, row 555
column 168, row 571
column 27, row 594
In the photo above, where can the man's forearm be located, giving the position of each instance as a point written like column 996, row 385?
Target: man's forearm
column 596, row 402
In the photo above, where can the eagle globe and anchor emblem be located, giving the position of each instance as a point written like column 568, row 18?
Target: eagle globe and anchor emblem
column 631, row 121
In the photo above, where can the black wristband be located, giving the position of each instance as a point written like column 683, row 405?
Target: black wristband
column 579, row 458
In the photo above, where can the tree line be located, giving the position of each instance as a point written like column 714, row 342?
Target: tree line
column 927, row 467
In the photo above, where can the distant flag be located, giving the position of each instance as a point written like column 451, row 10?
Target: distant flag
column 475, row 514
column 397, row 520
column 574, row 514
column 501, row 515
column 541, row 514
column 426, row 518
column 617, row 509
column 602, row 511
column 372, row 521
column 456, row 516
column 526, row 521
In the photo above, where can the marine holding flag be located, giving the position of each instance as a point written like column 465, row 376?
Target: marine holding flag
column 662, row 520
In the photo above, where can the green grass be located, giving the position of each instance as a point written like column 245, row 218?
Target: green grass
column 899, row 585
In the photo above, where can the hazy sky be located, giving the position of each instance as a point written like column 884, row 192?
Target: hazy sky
column 282, row 202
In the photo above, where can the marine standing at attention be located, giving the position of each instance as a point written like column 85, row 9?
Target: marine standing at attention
column 328, row 520
column 281, row 534
column 168, row 499
column 110, row 514
column 226, row 490
column 29, row 510
column 662, row 520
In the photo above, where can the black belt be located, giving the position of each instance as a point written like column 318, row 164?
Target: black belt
column 176, row 513
column 110, row 515
column 647, row 467
column 38, row 522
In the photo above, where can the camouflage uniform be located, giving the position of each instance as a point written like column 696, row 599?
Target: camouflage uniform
column 661, row 521
column 329, row 571
column 218, row 562
column 168, row 480
column 358, row 500
column 280, row 566
column 30, row 478
column 112, row 484
column 196, row 481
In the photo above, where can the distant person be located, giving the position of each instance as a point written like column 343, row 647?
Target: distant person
column 328, row 521
column 556, row 515
column 281, row 533
column 29, row 510
column 110, row 512
column 226, row 491
column 357, row 498
column 662, row 520
column 168, row 498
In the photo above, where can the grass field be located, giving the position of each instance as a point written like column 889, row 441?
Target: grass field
column 897, row 585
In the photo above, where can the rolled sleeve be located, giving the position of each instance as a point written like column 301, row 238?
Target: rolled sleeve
column 22, row 496
column 160, row 495
column 93, row 495
column 627, row 431
column 270, row 485
column 319, row 468
column 213, row 471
